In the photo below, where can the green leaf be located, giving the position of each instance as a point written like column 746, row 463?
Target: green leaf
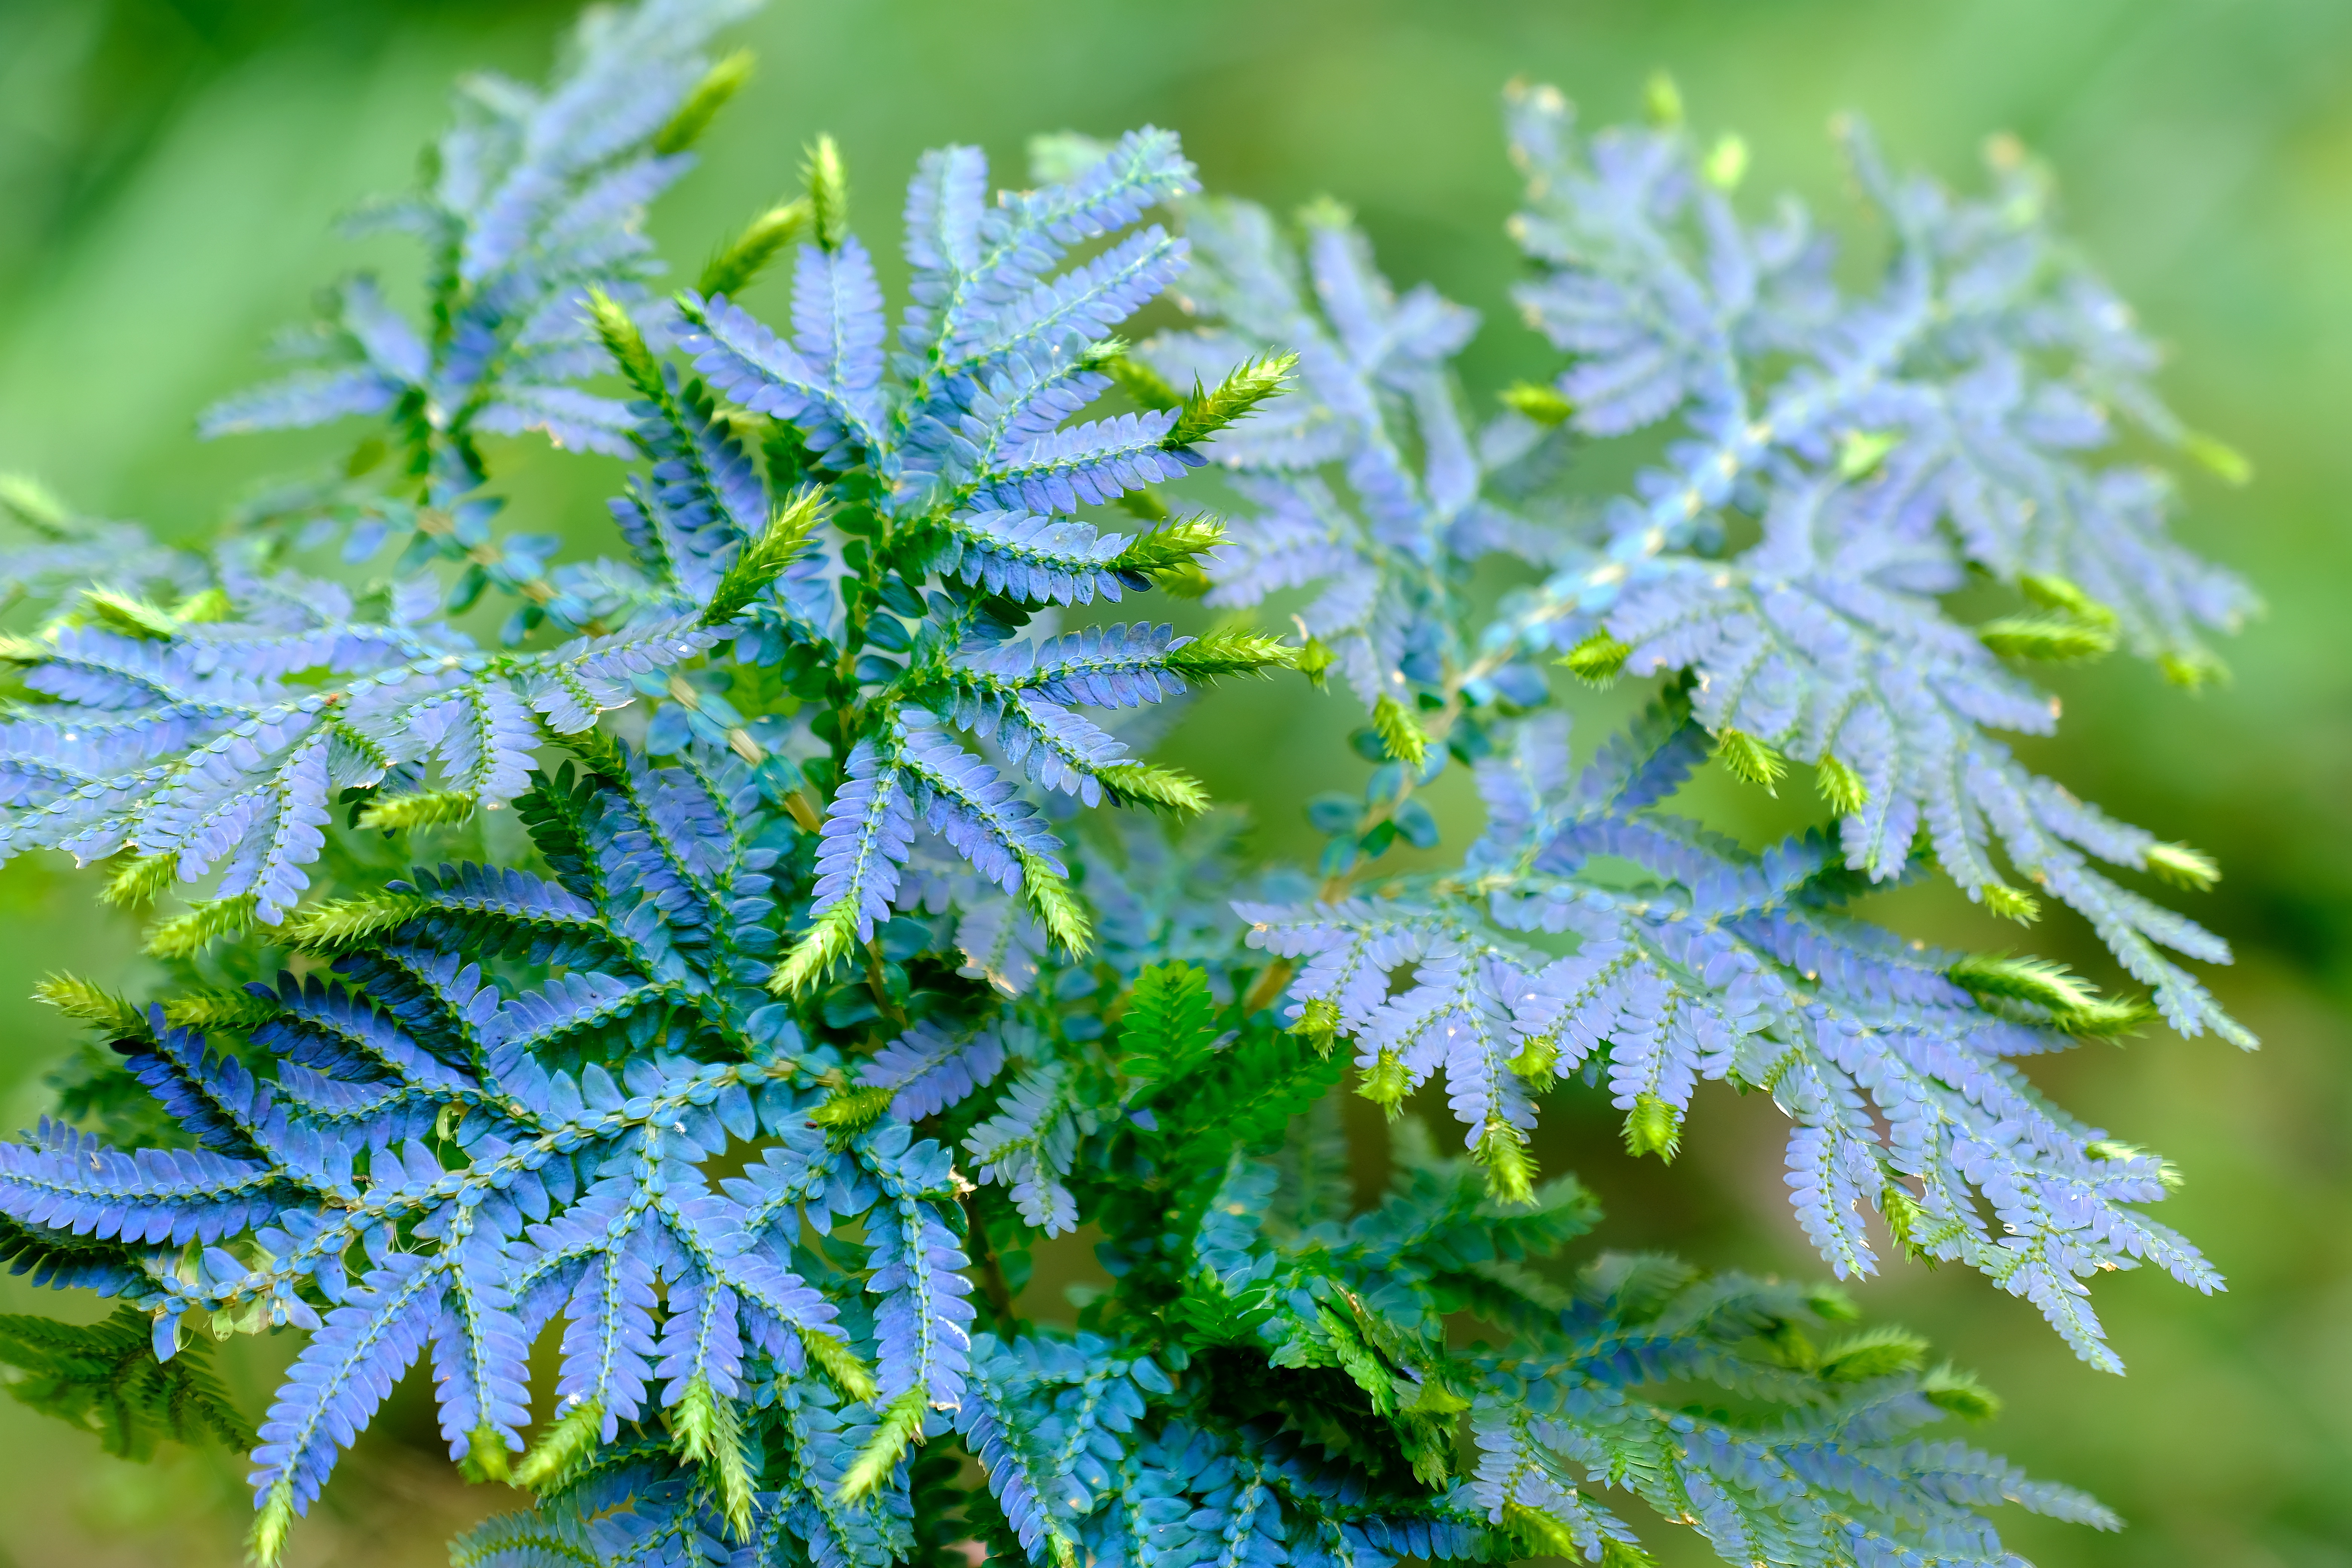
column 1662, row 100
column 1653, row 1127
column 104, row 1378
column 2049, row 639
column 431, row 809
column 1207, row 659
column 2193, row 669
column 204, row 604
column 85, row 1002
column 485, row 1455
column 1873, row 1353
column 826, row 943
column 1616, row 1553
column 1905, row 1217
column 1317, row 1024
column 187, row 935
column 1144, row 387
column 719, row 83
column 1502, row 1149
column 1541, row 1533
column 339, row 925
column 1752, row 759
column 1400, row 731
column 34, row 506
column 1860, row 451
column 1727, row 163
column 2011, row 903
column 562, row 1447
column 1168, row 1025
column 732, row 268
column 1832, row 1304
column 709, row 1430
column 1154, row 788
column 853, row 1108
column 1840, row 785
column 626, row 345
column 841, row 1365
column 2035, row 980
column 129, row 615
column 2219, row 458
column 1544, row 405
column 272, row 1522
column 141, row 882
column 1047, row 894
column 1245, row 387
column 1176, row 543
column 902, row 1422
column 1597, row 660
column 828, row 193
column 2052, row 592
column 1948, row 1388
column 1386, row 1083
column 763, row 561
column 2183, row 867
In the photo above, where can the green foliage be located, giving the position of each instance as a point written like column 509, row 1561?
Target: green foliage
column 2065, row 1001
column 86, row 1003
column 1841, row 787
column 1597, row 660
column 902, row 1422
column 1154, row 788
column 1653, row 1127
column 104, row 1378
column 687, row 123
column 828, row 193
column 187, row 935
column 432, row 808
column 1400, row 731
column 1544, row 405
column 1752, row 759
column 2050, row 640
column 732, row 268
column 764, row 559
column 1874, row 1353
column 140, row 880
column 1249, row 384
column 1168, row 1027
column 339, row 924
column 2184, row 867
column 772, row 1058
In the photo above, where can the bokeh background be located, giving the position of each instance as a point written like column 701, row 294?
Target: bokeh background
column 169, row 170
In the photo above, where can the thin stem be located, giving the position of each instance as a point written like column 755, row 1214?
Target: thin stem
column 1269, row 986
column 993, row 1286
column 878, row 982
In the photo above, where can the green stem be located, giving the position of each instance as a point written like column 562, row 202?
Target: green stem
column 993, row 1286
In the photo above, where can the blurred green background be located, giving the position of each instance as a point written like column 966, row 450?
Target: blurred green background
column 169, row 169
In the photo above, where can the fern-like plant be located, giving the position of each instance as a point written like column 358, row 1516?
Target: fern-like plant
column 845, row 949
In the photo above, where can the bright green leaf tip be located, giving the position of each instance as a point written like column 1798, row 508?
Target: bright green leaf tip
column 1597, row 660
column 1751, row 759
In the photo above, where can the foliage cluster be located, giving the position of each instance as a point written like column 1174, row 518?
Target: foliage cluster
column 790, row 983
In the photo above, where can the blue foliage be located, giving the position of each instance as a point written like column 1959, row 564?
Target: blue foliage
column 1046, row 558
column 1889, row 443
column 536, row 198
column 931, row 1069
column 1363, row 354
column 808, row 1000
column 221, row 744
column 1734, row 967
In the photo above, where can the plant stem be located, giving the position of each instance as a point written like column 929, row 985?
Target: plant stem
column 993, row 1283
